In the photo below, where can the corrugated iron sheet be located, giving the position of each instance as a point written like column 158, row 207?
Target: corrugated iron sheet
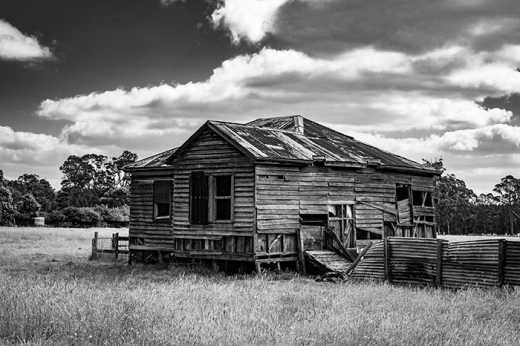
column 277, row 139
column 157, row 160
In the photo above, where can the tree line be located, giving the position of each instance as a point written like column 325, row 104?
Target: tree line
column 459, row 210
column 94, row 191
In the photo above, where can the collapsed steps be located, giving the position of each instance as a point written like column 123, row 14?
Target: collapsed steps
column 328, row 261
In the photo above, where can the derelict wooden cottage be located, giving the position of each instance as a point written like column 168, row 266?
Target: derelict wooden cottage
column 250, row 192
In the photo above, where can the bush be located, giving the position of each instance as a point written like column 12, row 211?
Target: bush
column 7, row 210
column 23, row 219
column 28, row 206
column 82, row 217
column 115, row 217
column 55, row 218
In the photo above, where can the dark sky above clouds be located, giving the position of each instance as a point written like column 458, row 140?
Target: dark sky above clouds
column 425, row 79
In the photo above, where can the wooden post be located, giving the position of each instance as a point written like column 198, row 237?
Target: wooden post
column 116, row 245
column 438, row 278
column 501, row 259
column 301, row 257
column 93, row 256
column 388, row 276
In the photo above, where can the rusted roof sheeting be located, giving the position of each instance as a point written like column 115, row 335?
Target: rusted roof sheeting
column 275, row 139
column 155, row 161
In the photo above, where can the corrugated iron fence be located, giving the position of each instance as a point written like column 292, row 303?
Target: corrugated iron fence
column 437, row 262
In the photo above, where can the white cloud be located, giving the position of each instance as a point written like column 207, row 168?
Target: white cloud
column 414, row 105
column 493, row 139
column 14, row 45
column 28, row 152
column 250, row 19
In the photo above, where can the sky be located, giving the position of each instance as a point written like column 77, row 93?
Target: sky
column 420, row 78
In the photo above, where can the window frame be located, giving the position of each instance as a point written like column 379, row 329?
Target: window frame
column 344, row 221
column 162, row 218
column 213, row 198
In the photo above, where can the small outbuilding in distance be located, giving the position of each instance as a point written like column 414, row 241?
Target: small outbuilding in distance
column 264, row 191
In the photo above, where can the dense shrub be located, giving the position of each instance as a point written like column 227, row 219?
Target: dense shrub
column 23, row 219
column 81, row 217
column 28, row 206
column 55, row 218
column 114, row 217
column 7, row 210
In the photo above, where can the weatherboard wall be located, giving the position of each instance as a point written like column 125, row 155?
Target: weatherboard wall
column 212, row 155
column 144, row 231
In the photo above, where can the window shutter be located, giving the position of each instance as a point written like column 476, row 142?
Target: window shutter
column 199, row 198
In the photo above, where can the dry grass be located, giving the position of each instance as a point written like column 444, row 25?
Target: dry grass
column 50, row 294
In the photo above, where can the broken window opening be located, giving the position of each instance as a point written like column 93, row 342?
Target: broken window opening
column 422, row 198
column 162, row 193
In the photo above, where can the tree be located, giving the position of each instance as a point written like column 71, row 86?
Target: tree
column 28, row 205
column 122, row 178
column 7, row 210
column 39, row 188
column 94, row 179
column 455, row 201
column 508, row 190
column 508, row 194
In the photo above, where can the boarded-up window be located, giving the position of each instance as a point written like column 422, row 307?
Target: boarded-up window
column 162, row 198
column 199, row 198
column 223, row 197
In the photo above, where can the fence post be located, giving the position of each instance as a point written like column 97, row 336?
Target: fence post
column 438, row 279
column 501, row 259
column 387, row 252
column 94, row 246
column 116, row 244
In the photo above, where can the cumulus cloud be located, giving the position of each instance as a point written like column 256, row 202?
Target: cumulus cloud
column 249, row 19
column 390, row 75
column 492, row 139
column 266, row 82
column 22, row 152
column 14, row 45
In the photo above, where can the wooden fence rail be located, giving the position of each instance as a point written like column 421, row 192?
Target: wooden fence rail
column 437, row 262
column 114, row 245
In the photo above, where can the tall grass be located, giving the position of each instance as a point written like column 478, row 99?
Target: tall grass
column 52, row 299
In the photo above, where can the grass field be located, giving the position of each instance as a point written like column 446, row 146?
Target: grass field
column 51, row 295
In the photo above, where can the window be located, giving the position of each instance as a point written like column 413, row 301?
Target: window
column 223, row 197
column 211, row 198
column 199, row 198
column 162, row 199
column 341, row 218
column 422, row 198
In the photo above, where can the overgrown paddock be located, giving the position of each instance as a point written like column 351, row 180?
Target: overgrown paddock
column 51, row 294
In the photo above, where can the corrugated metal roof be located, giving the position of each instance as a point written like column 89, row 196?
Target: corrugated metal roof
column 278, row 139
column 155, row 161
